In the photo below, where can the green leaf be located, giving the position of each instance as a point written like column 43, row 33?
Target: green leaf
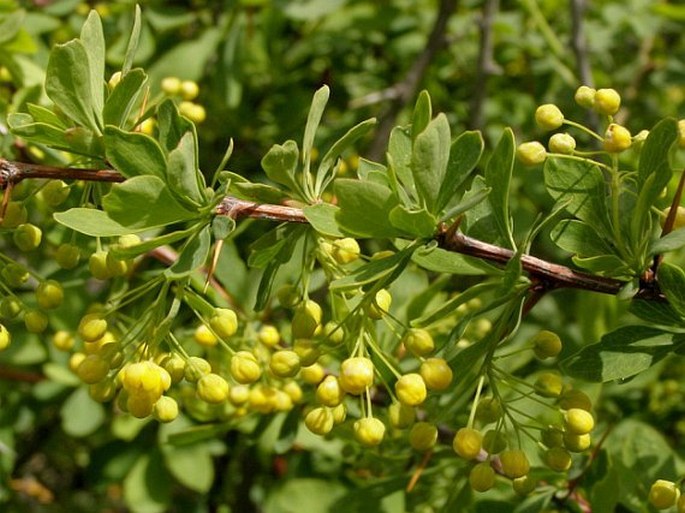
column 653, row 174
column 429, row 159
column 172, row 126
column 133, row 42
column 42, row 114
column 655, row 312
column 242, row 188
column 193, row 255
column 10, row 24
column 92, row 222
column 22, row 125
column 423, row 113
column 269, row 246
column 68, row 83
column 149, row 244
column 123, row 98
column 399, row 158
column 322, row 217
column 280, row 165
column 323, row 177
column 134, row 153
column 304, row 494
column 443, row 261
column 582, row 185
column 144, row 202
column 191, row 465
column 671, row 279
column 622, row 353
column 419, row 223
column 498, row 179
column 579, row 238
column 93, row 40
column 184, row 177
column 669, row 242
column 609, row 265
column 364, row 208
column 188, row 59
column 372, row 271
column 147, row 487
column 313, row 119
column 465, row 152
column 81, row 416
column 222, row 227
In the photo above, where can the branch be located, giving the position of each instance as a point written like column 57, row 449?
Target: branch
column 486, row 64
column 402, row 92
column 547, row 275
column 11, row 173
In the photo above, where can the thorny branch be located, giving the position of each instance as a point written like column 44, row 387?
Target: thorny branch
column 546, row 275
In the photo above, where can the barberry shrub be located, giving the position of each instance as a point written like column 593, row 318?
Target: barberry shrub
column 384, row 320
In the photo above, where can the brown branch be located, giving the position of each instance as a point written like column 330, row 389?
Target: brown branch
column 12, row 173
column 547, row 276
column 486, row 64
column 402, row 92
column 12, row 374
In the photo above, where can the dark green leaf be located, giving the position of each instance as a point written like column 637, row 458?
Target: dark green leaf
column 582, row 185
column 653, row 174
column 134, row 153
column 655, row 312
column 193, row 255
column 322, row 217
column 622, row 353
column 498, row 179
column 579, row 238
column 144, row 202
column 430, row 155
column 68, row 83
column 671, row 279
column 465, row 153
column 93, row 39
column 364, row 208
column 123, row 98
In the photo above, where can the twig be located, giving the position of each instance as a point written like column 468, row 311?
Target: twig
column 403, row 91
column 547, row 275
column 486, row 64
column 12, row 173
column 579, row 45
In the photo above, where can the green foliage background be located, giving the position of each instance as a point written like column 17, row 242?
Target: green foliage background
column 257, row 63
